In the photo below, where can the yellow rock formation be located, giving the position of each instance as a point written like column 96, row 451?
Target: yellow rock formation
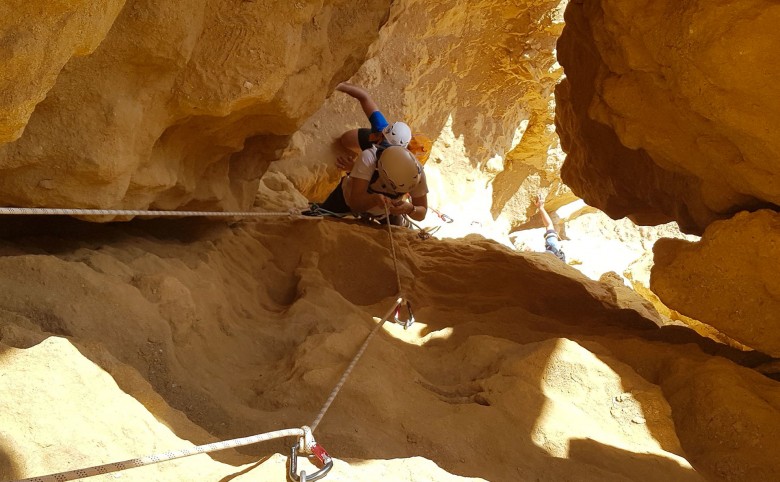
column 183, row 103
column 729, row 279
column 38, row 39
column 120, row 340
column 667, row 109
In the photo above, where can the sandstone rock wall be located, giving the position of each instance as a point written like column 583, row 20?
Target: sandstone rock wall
column 219, row 332
column 180, row 104
column 152, row 104
column 475, row 77
column 668, row 112
column 729, row 279
column 38, row 39
column 668, row 108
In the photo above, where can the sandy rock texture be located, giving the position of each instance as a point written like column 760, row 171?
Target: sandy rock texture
column 39, row 38
column 179, row 104
column 667, row 113
column 518, row 367
column 729, row 279
column 668, row 108
column 477, row 78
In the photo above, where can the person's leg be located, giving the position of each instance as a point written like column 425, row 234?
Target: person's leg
column 335, row 202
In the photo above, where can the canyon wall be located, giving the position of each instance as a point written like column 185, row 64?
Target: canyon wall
column 668, row 113
column 476, row 78
column 149, row 103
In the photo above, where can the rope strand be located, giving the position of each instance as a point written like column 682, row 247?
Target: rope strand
column 352, row 364
column 163, row 457
column 139, row 212
column 392, row 248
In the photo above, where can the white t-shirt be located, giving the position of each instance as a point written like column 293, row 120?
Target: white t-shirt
column 364, row 168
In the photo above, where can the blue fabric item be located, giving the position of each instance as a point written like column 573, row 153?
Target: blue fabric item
column 378, row 121
column 551, row 241
column 552, row 245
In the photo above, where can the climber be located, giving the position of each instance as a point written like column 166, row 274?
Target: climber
column 381, row 133
column 551, row 241
column 381, row 177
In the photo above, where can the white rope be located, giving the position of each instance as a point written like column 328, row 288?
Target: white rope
column 157, row 458
column 201, row 449
column 137, row 212
column 392, row 247
column 363, row 347
column 352, row 364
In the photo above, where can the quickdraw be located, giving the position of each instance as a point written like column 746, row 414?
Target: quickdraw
column 427, row 233
column 308, row 447
column 442, row 216
column 397, row 317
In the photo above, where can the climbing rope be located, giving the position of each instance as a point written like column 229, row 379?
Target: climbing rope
column 136, row 212
column 352, row 364
column 392, row 247
column 176, row 454
column 306, row 443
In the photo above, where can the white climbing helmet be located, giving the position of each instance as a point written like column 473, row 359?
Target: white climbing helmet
column 399, row 169
column 398, row 134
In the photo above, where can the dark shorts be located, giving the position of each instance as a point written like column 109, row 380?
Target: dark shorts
column 336, row 202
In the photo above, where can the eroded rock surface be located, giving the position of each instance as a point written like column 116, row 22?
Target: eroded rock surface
column 182, row 103
column 666, row 110
column 38, row 39
column 475, row 77
column 246, row 329
column 666, row 114
column 729, row 279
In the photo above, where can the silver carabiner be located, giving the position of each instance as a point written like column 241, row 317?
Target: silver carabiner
column 409, row 321
column 322, row 456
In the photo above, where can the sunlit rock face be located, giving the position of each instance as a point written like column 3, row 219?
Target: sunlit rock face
column 178, row 103
column 475, row 77
column 163, row 105
column 668, row 112
column 728, row 280
column 669, row 109
column 38, row 39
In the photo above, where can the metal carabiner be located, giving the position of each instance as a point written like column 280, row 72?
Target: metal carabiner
column 322, row 456
column 442, row 216
column 409, row 321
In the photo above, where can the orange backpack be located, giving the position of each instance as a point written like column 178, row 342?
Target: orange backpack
column 420, row 146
